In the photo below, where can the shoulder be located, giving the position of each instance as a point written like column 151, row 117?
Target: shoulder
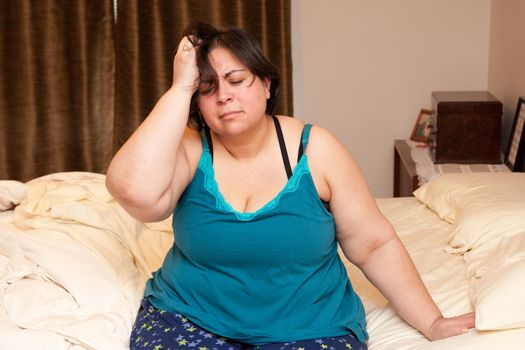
column 331, row 159
column 291, row 128
column 319, row 136
column 290, row 125
column 324, row 145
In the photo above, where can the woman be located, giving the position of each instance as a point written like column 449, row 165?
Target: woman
column 255, row 260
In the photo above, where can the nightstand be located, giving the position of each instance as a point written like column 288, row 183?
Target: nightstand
column 405, row 174
column 413, row 167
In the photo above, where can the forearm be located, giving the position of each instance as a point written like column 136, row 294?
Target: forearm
column 391, row 270
column 145, row 164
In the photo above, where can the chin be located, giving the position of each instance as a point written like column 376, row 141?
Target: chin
column 234, row 129
column 236, row 125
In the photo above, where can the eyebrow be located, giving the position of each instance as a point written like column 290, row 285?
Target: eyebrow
column 226, row 75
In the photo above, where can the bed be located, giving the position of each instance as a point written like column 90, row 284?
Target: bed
column 73, row 264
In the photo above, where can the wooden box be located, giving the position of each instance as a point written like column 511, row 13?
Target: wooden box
column 466, row 127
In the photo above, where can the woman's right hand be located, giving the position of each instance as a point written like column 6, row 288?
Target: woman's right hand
column 185, row 71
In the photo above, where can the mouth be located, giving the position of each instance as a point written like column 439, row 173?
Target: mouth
column 228, row 114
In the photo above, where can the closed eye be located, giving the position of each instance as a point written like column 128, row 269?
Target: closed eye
column 206, row 89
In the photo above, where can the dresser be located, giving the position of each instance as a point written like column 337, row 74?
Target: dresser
column 466, row 127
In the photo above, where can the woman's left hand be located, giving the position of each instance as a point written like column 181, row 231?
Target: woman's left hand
column 449, row 327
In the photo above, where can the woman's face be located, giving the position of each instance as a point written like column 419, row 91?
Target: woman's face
column 238, row 102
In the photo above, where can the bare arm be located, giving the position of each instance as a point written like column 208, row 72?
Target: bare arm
column 150, row 171
column 369, row 241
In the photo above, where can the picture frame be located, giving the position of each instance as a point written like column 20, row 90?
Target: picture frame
column 423, row 127
column 515, row 151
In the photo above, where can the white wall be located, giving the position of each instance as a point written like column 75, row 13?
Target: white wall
column 507, row 57
column 364, row 68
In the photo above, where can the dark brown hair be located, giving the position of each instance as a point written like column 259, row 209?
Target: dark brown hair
column 243, row 46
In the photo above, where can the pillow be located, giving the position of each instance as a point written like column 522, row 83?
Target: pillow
column 11, row 194
column 482, row 206
column 499, row 298
column 497, row 290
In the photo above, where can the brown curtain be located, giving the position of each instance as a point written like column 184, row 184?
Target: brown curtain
column 73, row 87
column 147, row 35
column 56, row 86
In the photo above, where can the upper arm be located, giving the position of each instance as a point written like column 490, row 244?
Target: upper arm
column 360, row 226
column 188, row 155
column 146, row 204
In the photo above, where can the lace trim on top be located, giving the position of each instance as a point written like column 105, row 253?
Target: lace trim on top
column 210, row 185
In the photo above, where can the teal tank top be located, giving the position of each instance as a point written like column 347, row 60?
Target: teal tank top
column 273, row 275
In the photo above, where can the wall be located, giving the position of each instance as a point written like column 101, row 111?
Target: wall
column 364, row 69
column 507, row 57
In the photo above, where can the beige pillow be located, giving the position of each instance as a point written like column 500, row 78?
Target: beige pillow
column 482, row 206
column 497, row 290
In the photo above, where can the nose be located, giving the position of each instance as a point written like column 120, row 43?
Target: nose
column 224, row 93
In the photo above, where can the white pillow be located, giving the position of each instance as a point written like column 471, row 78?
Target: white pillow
column 499, row 298
column 483, row 206
column 11, row 193
column 497, row 290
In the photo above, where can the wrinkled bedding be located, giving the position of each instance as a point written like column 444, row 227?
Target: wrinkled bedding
column 73, row 266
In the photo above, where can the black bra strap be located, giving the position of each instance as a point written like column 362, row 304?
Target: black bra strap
column 282, row 145
column 301, row 150
column 208, row 139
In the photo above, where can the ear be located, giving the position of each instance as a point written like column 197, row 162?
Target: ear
column 267, row 84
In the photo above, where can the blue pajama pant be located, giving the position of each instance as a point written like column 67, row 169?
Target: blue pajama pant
column 162, row 330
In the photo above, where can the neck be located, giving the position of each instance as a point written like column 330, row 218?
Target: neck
column 249, row 144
